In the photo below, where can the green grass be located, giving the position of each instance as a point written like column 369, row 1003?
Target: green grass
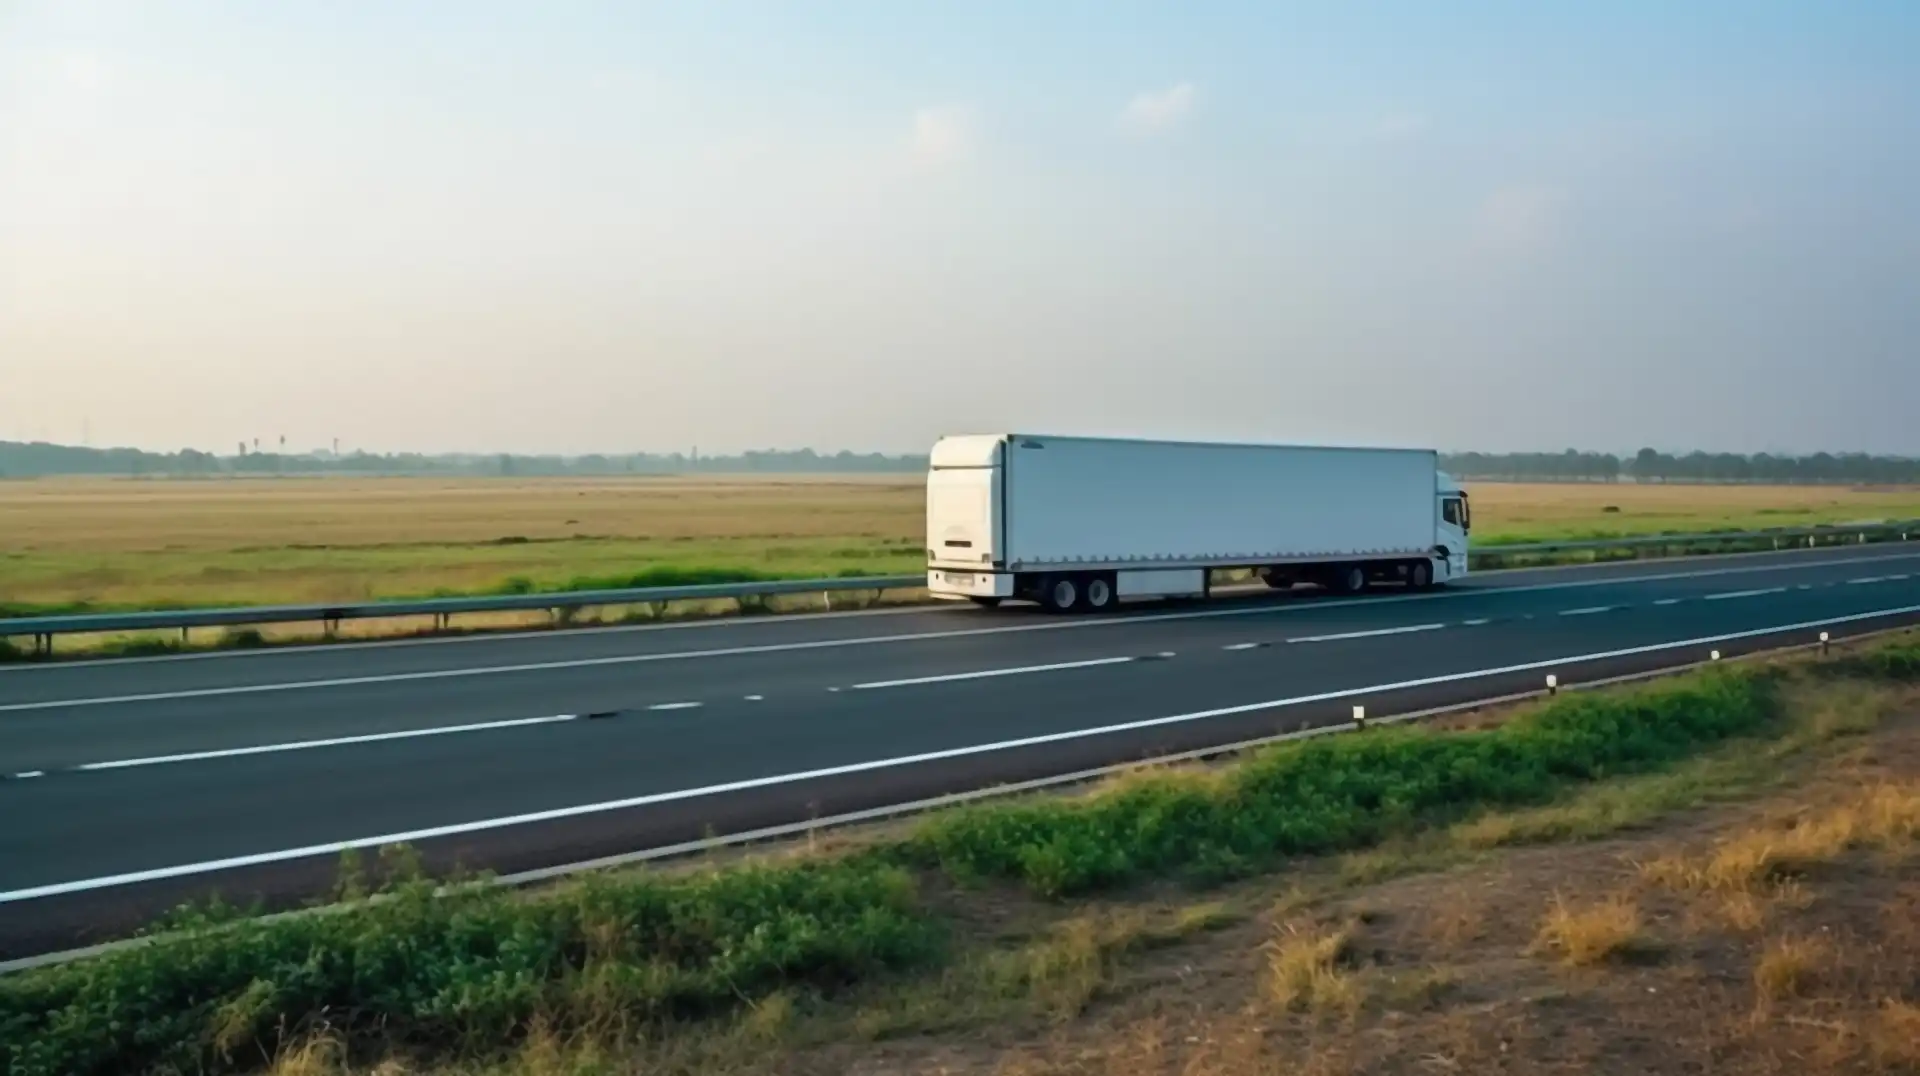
column 1337, row 793
column 445, row 972
column 470, row 974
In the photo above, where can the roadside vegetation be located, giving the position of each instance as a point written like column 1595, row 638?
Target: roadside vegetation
column 97, row 545
column 1021, row 915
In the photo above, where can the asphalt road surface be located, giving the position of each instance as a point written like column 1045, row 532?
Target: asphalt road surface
column 127, row 786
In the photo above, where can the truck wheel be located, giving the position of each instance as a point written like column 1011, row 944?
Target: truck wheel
column 1062, row 595
column 1349, row 579
column 1420, row 575
column 1098, row 594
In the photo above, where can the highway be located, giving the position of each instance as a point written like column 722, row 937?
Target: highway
column 130, row 785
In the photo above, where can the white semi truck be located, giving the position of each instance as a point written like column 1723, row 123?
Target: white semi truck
column 1081, row 523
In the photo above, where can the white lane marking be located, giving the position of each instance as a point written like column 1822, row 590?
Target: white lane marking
column 875, row 640
column 1808, row 559
column 1341, row 636
column 1866, row 579
column 561, row 813
column 1589, row 610
column 27, row 775
column 1727, row 594
column 1477, row 622
column 1244, row 646
column 987, row 674
column 1669, row 601
column 335, row 741
column 676, row 706
column 756, row 698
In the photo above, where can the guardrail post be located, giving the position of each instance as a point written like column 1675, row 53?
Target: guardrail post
column 829, row 596
column 442, row 621
column 186, row 635
column 43, row 645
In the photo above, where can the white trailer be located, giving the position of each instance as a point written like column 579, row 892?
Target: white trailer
column 1081, row 523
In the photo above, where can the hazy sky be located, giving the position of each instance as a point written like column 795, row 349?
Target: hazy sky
column 603, row 227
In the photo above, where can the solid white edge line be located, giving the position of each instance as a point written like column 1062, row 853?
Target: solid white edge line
column 749, row 784
column 1369, row 634
column 333, row 741
column 874, row 640
column 987, row 674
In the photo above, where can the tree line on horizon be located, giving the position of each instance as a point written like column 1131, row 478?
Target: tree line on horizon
column 40, row 460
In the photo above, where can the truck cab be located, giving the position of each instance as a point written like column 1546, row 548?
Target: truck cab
column 1453, row 521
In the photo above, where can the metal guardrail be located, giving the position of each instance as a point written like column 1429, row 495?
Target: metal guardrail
column 1901, row 528
column 44, row 629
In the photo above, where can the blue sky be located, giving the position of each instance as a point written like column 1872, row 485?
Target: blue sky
column 603, row 227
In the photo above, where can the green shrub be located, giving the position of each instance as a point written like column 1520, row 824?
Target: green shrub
column 1898, row 661
column 1336, row 793
column 468, row 970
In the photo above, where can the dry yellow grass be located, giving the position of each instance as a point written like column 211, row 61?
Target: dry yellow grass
column 142, row 543
column 1787, row 966
column 1305, row 972
column 1589, row 934
column 1884, row 816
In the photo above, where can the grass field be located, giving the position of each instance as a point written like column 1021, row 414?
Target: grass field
column 129, row 544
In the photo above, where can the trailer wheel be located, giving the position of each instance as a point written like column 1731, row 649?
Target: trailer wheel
column 1349, row 579
column 1420, row 575
column 1060, row 594
column 1097, row 594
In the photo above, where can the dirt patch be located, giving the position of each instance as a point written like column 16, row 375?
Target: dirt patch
column 1814, row 968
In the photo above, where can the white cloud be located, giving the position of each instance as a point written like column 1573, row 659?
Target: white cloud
column 1158, row 110
column 1522, row 217
column 945, row 135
